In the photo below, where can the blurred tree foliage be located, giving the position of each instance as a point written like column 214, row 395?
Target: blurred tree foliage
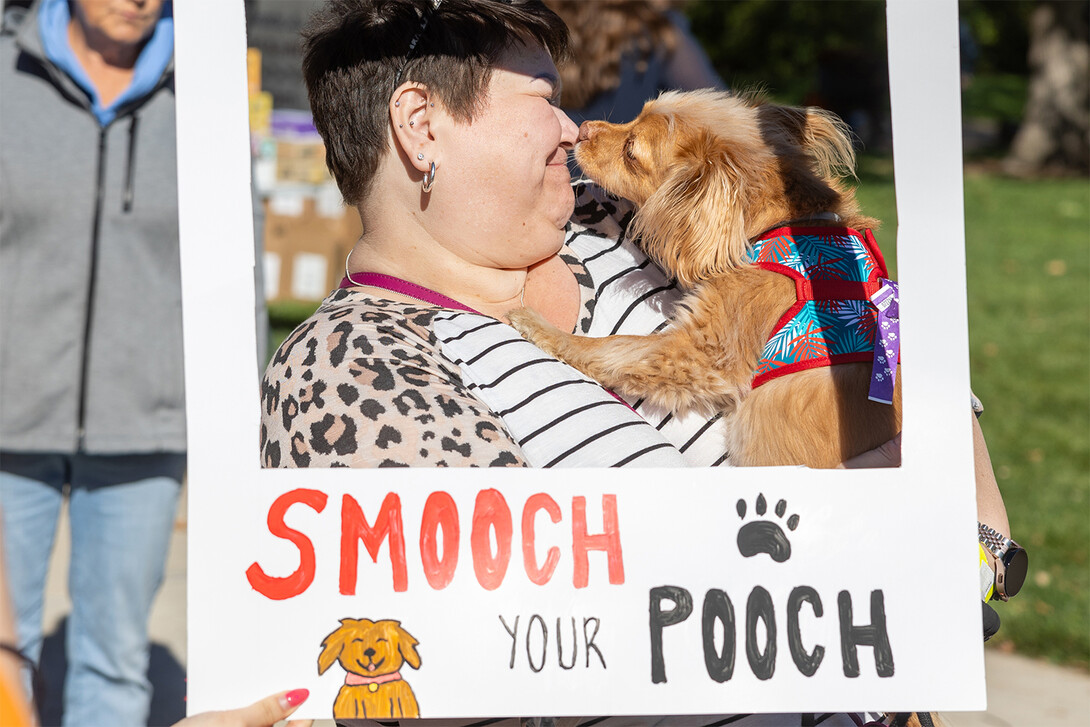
column 790, row 47
column 779, row 46
column 1000, row 30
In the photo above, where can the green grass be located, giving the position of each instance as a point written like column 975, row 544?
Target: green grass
column 1028, row 251
column 875, row 194
column 1028, row 247
column 284, row 316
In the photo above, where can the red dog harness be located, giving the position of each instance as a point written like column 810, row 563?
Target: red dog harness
column 836, row 271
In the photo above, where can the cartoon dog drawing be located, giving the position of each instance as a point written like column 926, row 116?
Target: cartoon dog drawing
column 372, row 652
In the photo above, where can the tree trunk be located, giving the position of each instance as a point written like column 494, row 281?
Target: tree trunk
column 1055, row 133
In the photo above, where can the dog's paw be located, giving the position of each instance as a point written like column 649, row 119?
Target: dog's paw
column 765, row 536
column 534, row 328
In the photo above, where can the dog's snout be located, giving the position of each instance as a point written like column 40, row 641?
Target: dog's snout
column 586, row 131
column 369, row 653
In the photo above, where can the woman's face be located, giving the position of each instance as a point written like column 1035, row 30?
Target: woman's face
column 504, row 176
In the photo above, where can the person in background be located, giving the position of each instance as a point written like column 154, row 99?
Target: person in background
column 624, row 52
column 90, row 332
column 15, row 705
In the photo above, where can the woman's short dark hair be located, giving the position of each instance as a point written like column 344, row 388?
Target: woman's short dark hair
column 354, row 49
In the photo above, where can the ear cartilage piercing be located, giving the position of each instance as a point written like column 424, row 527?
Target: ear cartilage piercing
column 412, row 123
column 420, row 157
column 401, row 126
column 397, row 103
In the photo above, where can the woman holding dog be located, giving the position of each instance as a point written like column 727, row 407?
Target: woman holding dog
column 443, row 129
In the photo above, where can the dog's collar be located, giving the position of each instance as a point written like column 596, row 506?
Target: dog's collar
column 816, row 217
column 358, row 680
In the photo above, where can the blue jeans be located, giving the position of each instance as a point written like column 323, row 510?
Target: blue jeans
column 122, row 513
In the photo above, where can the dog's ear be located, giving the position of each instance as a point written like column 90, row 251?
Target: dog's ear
column 825, row 138
column 814, row 152
column 406, row 644
column 333, row 645
column 829, row 141
column 694, row 225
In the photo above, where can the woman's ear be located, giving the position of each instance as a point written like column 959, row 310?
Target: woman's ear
column 694, row 225
column 412, row 110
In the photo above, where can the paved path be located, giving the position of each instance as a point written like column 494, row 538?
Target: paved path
column 1021, row 692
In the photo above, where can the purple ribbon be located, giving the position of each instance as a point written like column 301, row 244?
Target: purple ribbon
column 887, row 342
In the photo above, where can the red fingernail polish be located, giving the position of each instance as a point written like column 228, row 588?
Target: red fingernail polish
column 296, row 697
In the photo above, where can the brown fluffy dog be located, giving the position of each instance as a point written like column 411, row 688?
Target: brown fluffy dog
column 372, row 653
column 708, row 173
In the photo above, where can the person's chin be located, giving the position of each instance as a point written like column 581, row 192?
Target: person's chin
column 564, row 192
column 564, row 214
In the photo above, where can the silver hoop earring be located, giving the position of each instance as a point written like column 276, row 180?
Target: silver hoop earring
column 429, row 179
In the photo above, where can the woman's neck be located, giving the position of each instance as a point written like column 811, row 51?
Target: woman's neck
column 491, row 291
column 109, row 65
column 547, row 286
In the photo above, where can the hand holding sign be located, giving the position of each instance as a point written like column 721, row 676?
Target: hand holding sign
column 263, row 713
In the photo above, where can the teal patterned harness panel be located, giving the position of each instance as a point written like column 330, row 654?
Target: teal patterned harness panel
column 836, row 270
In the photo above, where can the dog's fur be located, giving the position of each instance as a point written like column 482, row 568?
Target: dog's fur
column 709, row 172
column 372, row 649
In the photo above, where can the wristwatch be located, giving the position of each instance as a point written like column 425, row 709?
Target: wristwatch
column 1011, row 561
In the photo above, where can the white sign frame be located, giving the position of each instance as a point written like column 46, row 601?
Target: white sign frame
column 917, row 522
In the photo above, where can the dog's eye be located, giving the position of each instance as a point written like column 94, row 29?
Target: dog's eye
column 628, row 144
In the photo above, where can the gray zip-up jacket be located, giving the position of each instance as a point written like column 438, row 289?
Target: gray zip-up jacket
column 90, row 294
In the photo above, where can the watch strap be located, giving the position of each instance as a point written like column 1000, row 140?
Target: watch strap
column 996, row 542
column 987, row 577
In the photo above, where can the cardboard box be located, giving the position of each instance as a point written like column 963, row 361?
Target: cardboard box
column 301, row 162
column 308, row 235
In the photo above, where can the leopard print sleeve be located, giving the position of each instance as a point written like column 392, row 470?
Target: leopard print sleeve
column 599, row 212
column 361, row 384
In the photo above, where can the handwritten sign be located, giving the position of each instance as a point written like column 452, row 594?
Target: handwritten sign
column 497, row 593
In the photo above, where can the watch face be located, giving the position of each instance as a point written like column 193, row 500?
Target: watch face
column 1017, row 567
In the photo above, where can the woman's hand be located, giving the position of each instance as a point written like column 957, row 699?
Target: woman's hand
column 887, row 455
column 264, row 713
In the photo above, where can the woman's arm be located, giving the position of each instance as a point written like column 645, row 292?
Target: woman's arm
column 363, row 385
column 409, row 416
column 990, row 509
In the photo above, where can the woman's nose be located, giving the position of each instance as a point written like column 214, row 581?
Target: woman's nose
column 569, row 132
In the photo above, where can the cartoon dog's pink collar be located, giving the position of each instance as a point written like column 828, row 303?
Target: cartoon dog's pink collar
column 358, row 680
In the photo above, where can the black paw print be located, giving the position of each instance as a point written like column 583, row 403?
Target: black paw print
column 765, row 536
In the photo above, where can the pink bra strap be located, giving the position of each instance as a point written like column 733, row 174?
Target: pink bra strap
column 397, row 285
